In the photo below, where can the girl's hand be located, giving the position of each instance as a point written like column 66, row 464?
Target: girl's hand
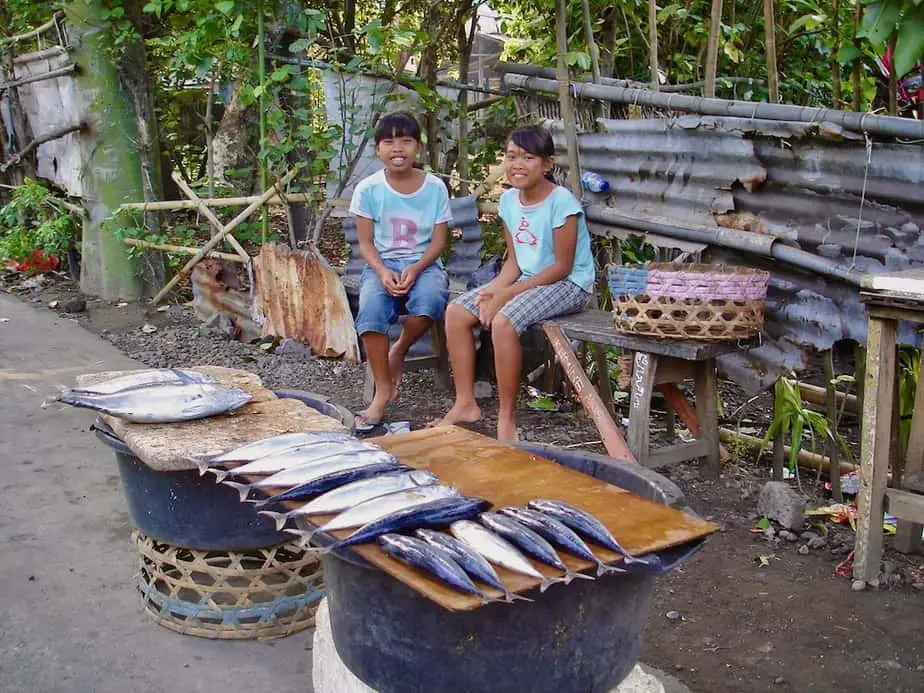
column 409, row 276
column 391, row 281
column 490, row 301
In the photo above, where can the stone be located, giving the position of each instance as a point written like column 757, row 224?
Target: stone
column 483, row 389
column 788, row 536
column 672, row 615
column 858, row 586
column 779, row 680
column 874, row 583
column 889, row 567
column 75, row 305
column 817, row 542
column 780, row 503
column 807, row 536
column 804, row 549
column 294, row 349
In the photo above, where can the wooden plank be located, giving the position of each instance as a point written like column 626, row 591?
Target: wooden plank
column 598, row 326
column 707, row 414
column 612, row 438
column 909, row 282
column 908, row 534
column 896, row 313
column 505, row 475
column 874, row 445
column 643, row 378
column 906, row 505
column 679, row 452
column 674, row 370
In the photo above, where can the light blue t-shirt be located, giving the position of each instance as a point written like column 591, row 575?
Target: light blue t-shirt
column 402, row 224
column 532, row 228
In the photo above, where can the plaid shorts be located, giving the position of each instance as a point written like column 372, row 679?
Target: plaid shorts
column 534, row 305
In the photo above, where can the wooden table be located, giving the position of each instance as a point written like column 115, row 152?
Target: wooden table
column 661, row 364
column 885, row 307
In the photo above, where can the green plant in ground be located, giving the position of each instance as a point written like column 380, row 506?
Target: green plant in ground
column 791, row 416
column 36, row 219
column 909, row 370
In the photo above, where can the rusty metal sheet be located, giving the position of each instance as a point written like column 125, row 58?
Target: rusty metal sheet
column 298, row 295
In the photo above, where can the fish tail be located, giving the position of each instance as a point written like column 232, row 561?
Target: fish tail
column 220, row 474
column 279, row 518
column 546, row 583
column 512, row 597
column 304, row 534
column 573, row 574
column 202, row 461
column 604, row 569
column 242, row 489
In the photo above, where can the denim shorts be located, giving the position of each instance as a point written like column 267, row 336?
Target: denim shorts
column 378, row 309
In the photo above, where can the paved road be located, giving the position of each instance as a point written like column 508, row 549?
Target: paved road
column 70, row 616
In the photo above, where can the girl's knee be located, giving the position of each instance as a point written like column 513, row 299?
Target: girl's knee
column 458, row 315
column 503, row 328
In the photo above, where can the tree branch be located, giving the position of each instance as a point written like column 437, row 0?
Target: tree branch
column 37, row 142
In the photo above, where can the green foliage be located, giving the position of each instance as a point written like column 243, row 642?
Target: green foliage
column 909, row 371
column 36, row 219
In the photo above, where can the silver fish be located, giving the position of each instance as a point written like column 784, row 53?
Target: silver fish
column 377, row 508
column 357, row 492
column 143, row 378
column 268, row 446
column 296, row 476
column 295, row 457
column 164, row 403
column 430, row 559
column 497, row 550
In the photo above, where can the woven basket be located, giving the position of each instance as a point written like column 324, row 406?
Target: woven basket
column 230, row 595
column 688, row 301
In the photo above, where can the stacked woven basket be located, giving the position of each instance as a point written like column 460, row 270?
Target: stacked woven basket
column 688, row 301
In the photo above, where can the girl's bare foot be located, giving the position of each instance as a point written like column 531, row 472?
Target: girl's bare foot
column 507, row 430
column 396, row 370
column 468, row 412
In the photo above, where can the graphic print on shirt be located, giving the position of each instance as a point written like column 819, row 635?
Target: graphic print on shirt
column 524, row 236
column 403, row 233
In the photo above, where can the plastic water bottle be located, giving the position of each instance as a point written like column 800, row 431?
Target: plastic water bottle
column 594, row 182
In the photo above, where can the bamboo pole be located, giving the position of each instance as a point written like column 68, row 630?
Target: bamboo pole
column 261, row 77
column 773, row 76
column 51, row 74
column 831, row 409
column 210, row 215
column 564, row 96
column 180, row 249
column 591, row 43
column 810, row 460
column 818, row 395
column 217, row 238
column 176, row 205
column 835, row 49
column 712, row 49
column 653, row 44
column 36, row 31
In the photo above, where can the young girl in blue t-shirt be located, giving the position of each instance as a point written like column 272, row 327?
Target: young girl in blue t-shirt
column 548, row 271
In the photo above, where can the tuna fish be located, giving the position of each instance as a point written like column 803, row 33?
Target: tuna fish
column 306, row 473
column 376, row 508
column 587, row 525
column 433, row 561
column 438, row 513
column 298, row 456
column 168, row 403
column 558, row 534
column 468, row 559
column 268, row 446
column 498, row 550
column 528, row 541
column 143, row 378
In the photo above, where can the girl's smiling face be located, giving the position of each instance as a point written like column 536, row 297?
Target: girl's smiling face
column 399, row 153
column 524, row 169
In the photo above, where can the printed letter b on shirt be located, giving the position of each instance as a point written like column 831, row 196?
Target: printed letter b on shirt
column 403, row 233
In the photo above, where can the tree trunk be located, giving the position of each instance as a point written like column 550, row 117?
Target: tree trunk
column 653, row 43
column 564, row 97
column 608, row 42
column 230, row 150
column 857, row 63
column 465, row 41
column 428, row 69
column 712, row 51
column 835, row 65
column 773, row 77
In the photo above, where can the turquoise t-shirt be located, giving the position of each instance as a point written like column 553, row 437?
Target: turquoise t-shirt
column 532, row 228
column 402, row 224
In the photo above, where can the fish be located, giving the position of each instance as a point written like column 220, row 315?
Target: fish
column 267, row 446
column 332, row 480
column 349, row 495
column 528, row 541
column 433, row 561
column 294, row 477
column 589, row 526
column 438, row 513
column 298, row 456
column 143, row 378
column 468, row 559
column 558, row 534
column 170, row 403
column 498, row 550
column 379, row 507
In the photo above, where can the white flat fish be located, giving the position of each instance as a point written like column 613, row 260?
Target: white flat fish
column 275, row 444
column 144, row 378
column 297, row 456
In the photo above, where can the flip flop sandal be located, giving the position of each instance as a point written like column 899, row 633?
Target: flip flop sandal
column 363, row 425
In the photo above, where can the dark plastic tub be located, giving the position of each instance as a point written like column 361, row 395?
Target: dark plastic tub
column 186, row 509
column 581, row 638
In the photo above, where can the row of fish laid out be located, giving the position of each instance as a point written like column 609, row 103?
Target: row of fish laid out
column 368, row 491
column 157, row 395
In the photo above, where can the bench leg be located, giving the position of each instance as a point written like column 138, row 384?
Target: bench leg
column 879, row 383
column 643, row 378
column 707, row 413
column 908, row 534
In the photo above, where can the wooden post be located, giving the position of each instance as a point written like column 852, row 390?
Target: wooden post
column 874, row 444
column 564, row 97
column 773, row 76
column 831, row 408
column 643, row 377
column 707, row 413
column 613, row 441
column 218, row 237
column 653, row 44
column 712, row 49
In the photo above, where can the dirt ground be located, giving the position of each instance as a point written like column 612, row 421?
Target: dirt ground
column 750, row 612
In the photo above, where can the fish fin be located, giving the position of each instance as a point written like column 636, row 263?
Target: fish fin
column 279, row 518
column 242, row 489
column 183, row 377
